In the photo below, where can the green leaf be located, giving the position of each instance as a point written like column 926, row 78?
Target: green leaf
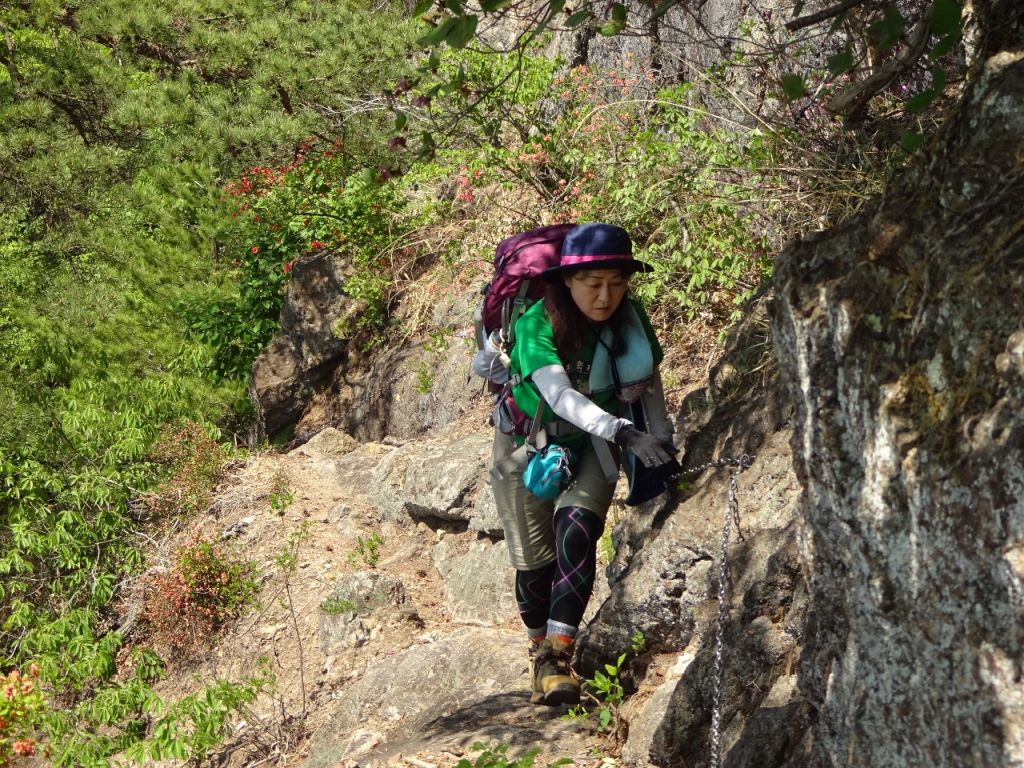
column 422, row 7
column 944, row 46
column 910, row 141
column 555, row 7
column 455, row 6
column 617, row 23
column 938, row 79
column 462, row 31
column 611, row 28
column 400, row 120
column 793, row 86
column 946, row 15
column 493, row 5
column 663, row 6
column 920, row 102
column 369, row 177
column 887, row 32
column 579, row 17
column 840, row 63
column 437, row 34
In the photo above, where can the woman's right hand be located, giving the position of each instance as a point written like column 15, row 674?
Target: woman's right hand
column 652, row 451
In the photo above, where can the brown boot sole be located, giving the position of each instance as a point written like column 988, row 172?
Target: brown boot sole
column 561, row 694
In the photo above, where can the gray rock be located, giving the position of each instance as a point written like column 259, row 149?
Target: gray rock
column 423, row 684
column 310, row 345
column 478, row 584
column 329, row 443
column 908, row 438
column 360, row 603
column 484, row 515
column 432, row 479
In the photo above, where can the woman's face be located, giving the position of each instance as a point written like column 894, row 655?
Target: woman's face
column 597, row 292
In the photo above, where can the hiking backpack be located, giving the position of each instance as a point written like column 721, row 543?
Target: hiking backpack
column 517, row 261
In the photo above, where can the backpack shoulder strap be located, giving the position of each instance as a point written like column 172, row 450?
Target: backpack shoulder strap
column 512, row 311
column 538, row 438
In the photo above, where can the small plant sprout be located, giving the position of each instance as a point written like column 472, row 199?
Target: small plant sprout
column 638, row 642
column 367, row 550
column 605, row 690
column 281, row 495
column 335, row 605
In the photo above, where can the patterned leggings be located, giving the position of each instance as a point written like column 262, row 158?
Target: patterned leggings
column 560, row 590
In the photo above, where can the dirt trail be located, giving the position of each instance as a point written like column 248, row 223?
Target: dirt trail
column 272, row 498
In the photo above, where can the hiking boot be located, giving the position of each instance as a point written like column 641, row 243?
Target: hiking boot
column 553, row 683
column 537, row 697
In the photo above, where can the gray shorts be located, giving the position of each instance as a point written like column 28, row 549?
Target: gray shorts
column 528, row 520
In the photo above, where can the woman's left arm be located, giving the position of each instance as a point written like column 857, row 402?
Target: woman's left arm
column 554, row 386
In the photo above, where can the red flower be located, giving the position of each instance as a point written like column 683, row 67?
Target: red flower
column 288, row 266
column 24, row 747
column 316, row 245
column 254, row 249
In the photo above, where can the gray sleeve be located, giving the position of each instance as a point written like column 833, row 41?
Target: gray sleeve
column 553, row 383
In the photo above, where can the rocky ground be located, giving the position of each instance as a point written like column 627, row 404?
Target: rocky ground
column 430, row 593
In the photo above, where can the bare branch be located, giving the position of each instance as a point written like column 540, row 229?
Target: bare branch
column 816, row 18
column 852, row 100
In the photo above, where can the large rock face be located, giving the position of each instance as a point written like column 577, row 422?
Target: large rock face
column 901, row 334
column 316, row 321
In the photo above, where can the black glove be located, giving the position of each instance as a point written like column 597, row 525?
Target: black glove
column 645, row 446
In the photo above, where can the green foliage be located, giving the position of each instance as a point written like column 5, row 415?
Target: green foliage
column 282, row 214
column 606, row 547
column 194, row 462
column 191, row 727
column 609, row 146
column 21, row 706
column 608, row 689
column 638, row 642
column 367, row 550
column 605, row 689
column 496, row 756
column 205, row 586
column 334, row 605
column 288, row 558
column 281, row 495
column 120, row 126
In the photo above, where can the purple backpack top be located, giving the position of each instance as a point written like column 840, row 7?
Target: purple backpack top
column 517, row 260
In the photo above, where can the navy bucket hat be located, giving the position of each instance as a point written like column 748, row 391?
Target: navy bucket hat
column 598, row 246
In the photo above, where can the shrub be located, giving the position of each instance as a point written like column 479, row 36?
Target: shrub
column 282, row 213
column 21, row 705
column 205, row 587
column 602, row 145
column 194, row 461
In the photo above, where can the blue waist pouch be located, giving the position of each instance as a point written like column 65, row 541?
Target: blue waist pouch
column 549, row 471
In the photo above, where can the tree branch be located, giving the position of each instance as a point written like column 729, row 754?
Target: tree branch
column 816, row 18
column 853, row 99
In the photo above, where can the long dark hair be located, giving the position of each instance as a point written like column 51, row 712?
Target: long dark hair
column 572, row 329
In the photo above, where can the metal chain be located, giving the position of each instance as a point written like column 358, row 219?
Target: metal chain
column 732, row 514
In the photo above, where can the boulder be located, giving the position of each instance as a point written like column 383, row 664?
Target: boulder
column 478, row 583
column 316, row 320
column 432, row 479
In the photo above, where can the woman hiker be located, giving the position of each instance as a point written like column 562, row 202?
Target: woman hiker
column 586, row 349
